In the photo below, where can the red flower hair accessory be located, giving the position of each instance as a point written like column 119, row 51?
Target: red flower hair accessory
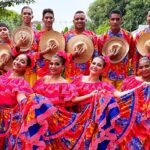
column 32, row 59
column 106, row 59
column 64, row 55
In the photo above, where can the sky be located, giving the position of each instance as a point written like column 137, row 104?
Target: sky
column 63, row 9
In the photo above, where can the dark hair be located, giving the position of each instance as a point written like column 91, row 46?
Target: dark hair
column 144, row 58
column 101, row 57
column 47, row 10
column 28, row 61
column 26, row 7
column 79, row 12
column 115, row 11
column 4, row 25
column 62, row 59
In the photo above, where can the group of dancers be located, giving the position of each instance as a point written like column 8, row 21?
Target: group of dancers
column 63, row 104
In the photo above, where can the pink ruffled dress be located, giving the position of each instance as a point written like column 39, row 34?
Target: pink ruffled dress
column 10, row 110
column 84, row 88
column 133, row 127
column 50, row 126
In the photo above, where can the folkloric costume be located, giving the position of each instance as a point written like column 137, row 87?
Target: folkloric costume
column 11, row 112
column 44, row 38
column 118, row 71
column 133, row 127
column 74, row 69
column 50, row 126
column 30, row 48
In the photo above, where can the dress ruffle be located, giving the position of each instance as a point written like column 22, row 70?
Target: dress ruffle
column 130, row 83
column 12, row 86
column 65, row 130
column 58, row 93
column 134, row 125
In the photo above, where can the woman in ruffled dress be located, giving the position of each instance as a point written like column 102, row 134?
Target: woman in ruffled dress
column 50, row 126
column 14, row 91
column 134, row 125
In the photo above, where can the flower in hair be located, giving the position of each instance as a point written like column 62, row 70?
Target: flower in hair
column 63, row 54
column 32, row 59
column 107, row 62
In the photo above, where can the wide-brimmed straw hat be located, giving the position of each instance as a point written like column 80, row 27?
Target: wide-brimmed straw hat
column 81, row 41
column 116, row 43
column 143, row 44
column 23, row 32
column 5, row 49
column 47, row 38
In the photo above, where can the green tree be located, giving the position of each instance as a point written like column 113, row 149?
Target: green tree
column 134, row 12
column 11, row 18
column 9, row 3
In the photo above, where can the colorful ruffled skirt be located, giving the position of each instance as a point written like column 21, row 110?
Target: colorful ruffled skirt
column 49, row 127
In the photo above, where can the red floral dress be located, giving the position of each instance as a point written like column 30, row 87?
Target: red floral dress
column 11, row 112
column 133, row 127
column 50, row 126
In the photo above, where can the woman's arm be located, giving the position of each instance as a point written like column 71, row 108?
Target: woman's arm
column 20, row 97
column 119, row 94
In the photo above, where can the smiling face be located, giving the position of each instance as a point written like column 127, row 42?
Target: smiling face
column 115, row 21
column 144, row 68
column 48, row 20
column 4, row 33
column 79, row 21
column 56, row 67
column 27, row 16
column 96, row 67
column 20, row 63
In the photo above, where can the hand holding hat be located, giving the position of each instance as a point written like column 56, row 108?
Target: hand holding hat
column 81, row 47
column 116, row 49
column 78, row 49
column 22, row 38
column 5, row 56
column 50, row 43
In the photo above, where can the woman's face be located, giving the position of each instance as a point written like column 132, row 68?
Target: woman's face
column 96, row 66
column 144, row 68
column 20, row 63
column 56, row 66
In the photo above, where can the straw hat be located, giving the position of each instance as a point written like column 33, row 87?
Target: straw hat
column 81, row 41
column 23, row 32
column 52, row 37
column 143, row 44
column 116, row 43
column 5, row 49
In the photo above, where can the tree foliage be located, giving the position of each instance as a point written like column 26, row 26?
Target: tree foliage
column 134, row 13
column 9, row 3
column 11, row 18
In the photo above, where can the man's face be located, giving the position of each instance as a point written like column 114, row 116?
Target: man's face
column 115, row 21
column 48, row 20
column 4, row 33
column 148, row 18
column 27, row 16
column 79, row 21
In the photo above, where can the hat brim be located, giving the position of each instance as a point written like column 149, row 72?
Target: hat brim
column 6, row 49
column 140, row 44
column 15, row 37
column 52, row 35
column 121, row 54
column 87, row 55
